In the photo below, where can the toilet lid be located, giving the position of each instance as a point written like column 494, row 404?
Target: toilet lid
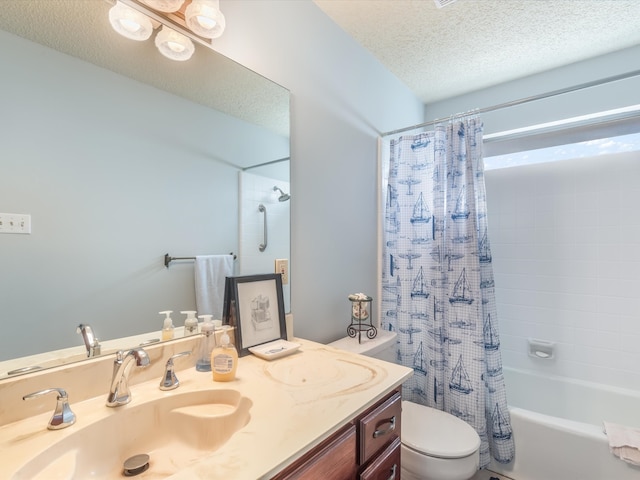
column 437, row 433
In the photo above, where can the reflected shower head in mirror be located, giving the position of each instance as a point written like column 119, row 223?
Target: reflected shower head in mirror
column 283, row 196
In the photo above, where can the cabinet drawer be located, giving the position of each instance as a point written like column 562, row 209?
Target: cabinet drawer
column 334, row 459
column 379, row 427
column 386, row 466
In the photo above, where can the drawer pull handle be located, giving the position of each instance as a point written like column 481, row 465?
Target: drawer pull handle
column 393, row 472
column 392, row 426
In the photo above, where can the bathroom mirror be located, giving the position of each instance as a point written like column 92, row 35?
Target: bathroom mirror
column 118, row 156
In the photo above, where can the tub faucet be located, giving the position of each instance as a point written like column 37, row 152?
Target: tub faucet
column 93, row 346
column 119, row 393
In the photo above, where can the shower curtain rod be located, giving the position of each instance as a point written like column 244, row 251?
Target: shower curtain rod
column 513, row 103
column 267, row 163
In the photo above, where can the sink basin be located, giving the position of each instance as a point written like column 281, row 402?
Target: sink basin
column 173, row 430
column 340, row 375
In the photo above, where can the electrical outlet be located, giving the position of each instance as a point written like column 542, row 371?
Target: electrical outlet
column 282, row 267
column 15, row 223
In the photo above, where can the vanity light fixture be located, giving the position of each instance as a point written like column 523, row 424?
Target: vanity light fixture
column 174, row 45
column 205, row 18
column 182, row 21
column 167, row 6
column 130, row 23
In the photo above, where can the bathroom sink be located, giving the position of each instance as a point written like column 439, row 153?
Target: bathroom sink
column 173, row 430
column 340, row 375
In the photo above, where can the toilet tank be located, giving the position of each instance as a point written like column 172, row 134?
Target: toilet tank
column 383, row 346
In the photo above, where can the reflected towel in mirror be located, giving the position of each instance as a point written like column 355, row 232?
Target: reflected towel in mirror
column 210, row 274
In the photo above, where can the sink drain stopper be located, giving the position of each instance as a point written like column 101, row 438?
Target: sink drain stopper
column 136, row 465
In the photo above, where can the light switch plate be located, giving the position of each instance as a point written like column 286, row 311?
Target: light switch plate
column 282, row 267
column 15, row 223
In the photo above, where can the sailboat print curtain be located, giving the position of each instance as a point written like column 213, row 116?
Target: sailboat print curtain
column 437, row 281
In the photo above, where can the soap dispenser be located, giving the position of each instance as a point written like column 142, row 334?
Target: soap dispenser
column 208, row 341
column 224, row 358
column 167, row 329
column 191, row 323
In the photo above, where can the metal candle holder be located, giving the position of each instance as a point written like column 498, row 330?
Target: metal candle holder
column 361, row 317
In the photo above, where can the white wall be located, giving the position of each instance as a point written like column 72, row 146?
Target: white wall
column 341, row 98
column 565, row 238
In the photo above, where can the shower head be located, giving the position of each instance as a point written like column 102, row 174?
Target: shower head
column 283, row 196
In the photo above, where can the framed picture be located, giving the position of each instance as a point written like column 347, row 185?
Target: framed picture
column 254, row 305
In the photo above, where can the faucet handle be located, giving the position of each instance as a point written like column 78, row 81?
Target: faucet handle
column 62, row 417
column 169, row 380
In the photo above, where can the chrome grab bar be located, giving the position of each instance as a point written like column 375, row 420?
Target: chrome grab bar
column 263, row 209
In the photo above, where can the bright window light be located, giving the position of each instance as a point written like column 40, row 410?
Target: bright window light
column 591, row 148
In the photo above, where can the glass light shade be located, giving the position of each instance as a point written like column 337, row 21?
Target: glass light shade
column 129, row 22
column 164, row 5
column 174, row 45
column 204, row 18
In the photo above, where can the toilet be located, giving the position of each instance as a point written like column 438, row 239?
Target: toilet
column 435, row 445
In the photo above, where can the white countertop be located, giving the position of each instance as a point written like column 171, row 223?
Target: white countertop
column 297, row 401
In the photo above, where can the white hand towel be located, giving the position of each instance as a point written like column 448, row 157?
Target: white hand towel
column 211, row 272
column 624, row 442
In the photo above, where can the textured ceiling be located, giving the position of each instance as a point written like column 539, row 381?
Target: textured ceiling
column 81, row 28
column 474, row 44
column 437, row 53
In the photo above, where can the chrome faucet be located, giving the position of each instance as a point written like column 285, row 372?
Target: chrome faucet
column 93, row 346
column 169, row 380
column 119, row 393
column 62, row 416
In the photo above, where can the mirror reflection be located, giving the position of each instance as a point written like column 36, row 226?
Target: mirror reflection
column 119, row 156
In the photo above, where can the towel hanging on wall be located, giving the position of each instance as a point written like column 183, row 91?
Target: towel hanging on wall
column 210, row 274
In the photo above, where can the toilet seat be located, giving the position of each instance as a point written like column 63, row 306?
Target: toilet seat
column 436, row 433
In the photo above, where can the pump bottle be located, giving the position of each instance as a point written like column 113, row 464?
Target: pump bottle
column 191, row 323
column 203, row 364
column 224, row 358
column 167, row 329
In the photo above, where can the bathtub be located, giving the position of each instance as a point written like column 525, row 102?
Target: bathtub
column 558, row 430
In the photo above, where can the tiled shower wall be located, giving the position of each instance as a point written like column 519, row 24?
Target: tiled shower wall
column 565, row 239
column 256, row 190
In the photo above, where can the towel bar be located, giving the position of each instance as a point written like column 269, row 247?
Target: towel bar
column 168, row 259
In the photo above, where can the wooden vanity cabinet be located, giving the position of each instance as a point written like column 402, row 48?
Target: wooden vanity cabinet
column 385, row 466
column 367, row 448
column 379, row 439
column 334, row 459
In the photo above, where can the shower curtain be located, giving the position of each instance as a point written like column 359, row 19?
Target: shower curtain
column 437, row 280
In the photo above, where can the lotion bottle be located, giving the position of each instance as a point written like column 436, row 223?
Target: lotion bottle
column 191, row 323
column 167, row 329
column 224, row 358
